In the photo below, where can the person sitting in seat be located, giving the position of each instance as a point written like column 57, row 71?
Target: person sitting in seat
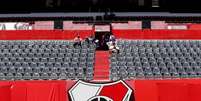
column 112, row 38
column 113, row 48
column 77, row 40
column 90, row 39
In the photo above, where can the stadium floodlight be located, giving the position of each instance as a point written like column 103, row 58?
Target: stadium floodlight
column 155, row 3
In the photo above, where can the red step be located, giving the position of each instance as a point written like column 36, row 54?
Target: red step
column 101, row 69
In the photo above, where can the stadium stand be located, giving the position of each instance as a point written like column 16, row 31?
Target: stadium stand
column 157, row 59
column 39, row 62
column 100, row 50
column 44, row 60
column 101, row 68
column 169, row 65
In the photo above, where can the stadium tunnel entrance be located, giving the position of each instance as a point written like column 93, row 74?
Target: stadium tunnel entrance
column 102, row 35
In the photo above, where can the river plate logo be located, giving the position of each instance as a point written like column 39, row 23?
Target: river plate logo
column 116, row 91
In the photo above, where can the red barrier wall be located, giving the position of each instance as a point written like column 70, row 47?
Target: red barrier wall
column 33, row 91
column 44, row 35
column 167, row 90
column 144, row 90
column 5, row 94
column 194, row 26
column 157, row 34
column 124, row 34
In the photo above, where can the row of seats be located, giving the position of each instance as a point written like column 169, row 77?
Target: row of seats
column 156, row 59
column 41, row 44
column 46, row 60
column 45, row 76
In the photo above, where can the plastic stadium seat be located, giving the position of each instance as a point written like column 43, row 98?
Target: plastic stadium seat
column 140, row 75
column 168, row 58
column 3, row 70
column 9, row 76
column 166, row 75
column 11, row 70
column 157, row 75
column 63, row 76
column 53, row 76
column 44, row 76
column 2, row 76
column 36, row 76
column 155, row 70
column 18, row 76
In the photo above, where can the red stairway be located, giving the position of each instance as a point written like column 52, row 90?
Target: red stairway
column 102, row 66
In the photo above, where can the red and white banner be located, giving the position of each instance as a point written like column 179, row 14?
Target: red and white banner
column 116, row 91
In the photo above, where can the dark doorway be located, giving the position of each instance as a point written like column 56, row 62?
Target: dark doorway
column 103, row 38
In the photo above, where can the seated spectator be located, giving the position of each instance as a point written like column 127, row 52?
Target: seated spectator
column 96, row 42
column 90, row 39
column 113, row 48
column 78, row 41
column 112, row 39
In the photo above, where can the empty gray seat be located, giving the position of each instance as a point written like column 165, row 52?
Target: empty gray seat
column 63, row 76
column 3, row 70
column 183, row 75
column 166, row 75
column 71, row 75
column 140, row 75
column 9, row 76
column 157, row 75
column 44, row 76
column 2, row 76
column 28, row 70
column 80, row 75
column 36, row 76
column 149, row 75
column 11, row 70
column 175, row 75
column 18, row 76
column 35, row 69
column 53, row 76
column 192, row 75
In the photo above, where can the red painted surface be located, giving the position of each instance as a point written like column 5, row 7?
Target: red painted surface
column 5, row 93
column 157, row 34
column 194, row 92
column 33, row 91
column 125, row 34
column 119, row 90
column 69, row 85
column 44, row 34
column 102, row 65
column 194, row 26
column 168, row 90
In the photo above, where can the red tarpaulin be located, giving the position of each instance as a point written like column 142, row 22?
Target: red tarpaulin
column 168, row 90
column 5, row 93
column 33, row 91
column 194, row 92
column 173, row 92
column 144, row 90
